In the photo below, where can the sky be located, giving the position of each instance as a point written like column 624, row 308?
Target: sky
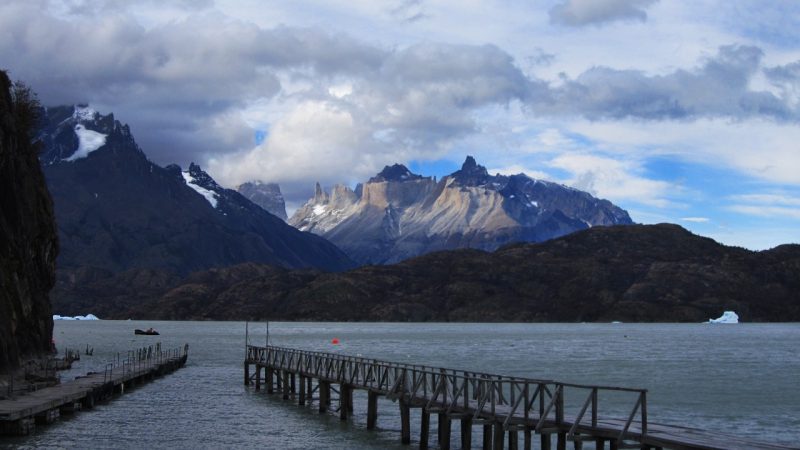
column 677, row 111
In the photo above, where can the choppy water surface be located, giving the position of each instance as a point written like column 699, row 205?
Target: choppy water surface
column 742, row 378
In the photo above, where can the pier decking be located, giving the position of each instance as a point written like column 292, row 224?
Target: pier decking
column 19, row 415
column 503, row 406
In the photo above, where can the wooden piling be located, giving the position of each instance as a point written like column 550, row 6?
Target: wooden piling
column 499, row 436
column 466, row 433
column 405, row 422
column 302, row 398
column 487, row 436
column 513, row 439
column 268, row 379
column 246, row 373
column 372, row 409
column 285, row 385
column 444, row 431
column 324, row 395
column 258, row 378
column 425, row 429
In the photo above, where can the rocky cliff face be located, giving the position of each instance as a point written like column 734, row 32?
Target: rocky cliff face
column 117, row 210
column 265, row 195
column 398, row 214
column 28, row 240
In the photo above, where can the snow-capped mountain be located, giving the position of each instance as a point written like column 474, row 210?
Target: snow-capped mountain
column 265, row 195
column 398, row 214
column 117, row 210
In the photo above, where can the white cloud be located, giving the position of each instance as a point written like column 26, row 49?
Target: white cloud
column 614, row 179
column 696, row 219
column 769, row 205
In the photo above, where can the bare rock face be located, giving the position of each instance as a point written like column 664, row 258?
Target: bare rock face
column 265, row 195
column 398, row 214
column 28, row 239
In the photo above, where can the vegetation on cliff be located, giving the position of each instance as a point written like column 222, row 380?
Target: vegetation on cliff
column 28, row 240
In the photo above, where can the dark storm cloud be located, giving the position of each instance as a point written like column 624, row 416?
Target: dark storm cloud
column 718, row 88
column 577, row 13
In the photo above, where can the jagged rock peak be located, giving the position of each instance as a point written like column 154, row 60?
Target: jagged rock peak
column 266, row 195
column 320, row 196
column 471, row 173
column 395, row 172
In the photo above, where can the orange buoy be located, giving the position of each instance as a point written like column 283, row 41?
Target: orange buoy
column 335, row 341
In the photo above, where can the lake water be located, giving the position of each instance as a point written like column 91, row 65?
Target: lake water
column 743, row 379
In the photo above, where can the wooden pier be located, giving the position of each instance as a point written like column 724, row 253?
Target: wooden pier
column 19, row 415
column 509, row 411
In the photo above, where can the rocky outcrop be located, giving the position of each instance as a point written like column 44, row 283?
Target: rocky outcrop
column 398, row 214
column 636, row 273
column 265, row 195
column 28, row 240
column 117, row 210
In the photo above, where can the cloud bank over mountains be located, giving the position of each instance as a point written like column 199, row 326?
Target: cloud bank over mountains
column 294, row 101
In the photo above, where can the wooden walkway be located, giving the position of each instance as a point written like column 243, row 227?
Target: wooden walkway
column 19, row 416
column 504, row 406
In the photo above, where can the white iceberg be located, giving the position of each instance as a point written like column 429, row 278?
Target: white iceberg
column 86, row 317
column 727, row 317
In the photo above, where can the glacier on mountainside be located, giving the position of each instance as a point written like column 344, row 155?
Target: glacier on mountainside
column 88, row 141
column 209, row 195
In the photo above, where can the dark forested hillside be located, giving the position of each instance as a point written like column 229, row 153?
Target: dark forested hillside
column 641, row 273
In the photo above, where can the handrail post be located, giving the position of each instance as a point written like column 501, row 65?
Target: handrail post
column 594, row 407
column 643, row 396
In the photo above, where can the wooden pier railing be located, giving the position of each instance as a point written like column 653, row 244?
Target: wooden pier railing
column 504, row 405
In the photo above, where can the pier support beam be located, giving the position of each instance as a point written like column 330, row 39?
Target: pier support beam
column 324, row 395
column 499, row 436
column 286, row 385
column 345, row 400
column 246, row 373
column 513, row 439
column 268, row 379
column 425, row 429
column 527, row 438
column 613, row 444
column 405, row 422
column 302, row 399
column 546, row 441
column 310, row 389
column 466, row 433
column 444, row 431
column 487, row 436
column 561, row 443
column 372, row 410
column 258, row 377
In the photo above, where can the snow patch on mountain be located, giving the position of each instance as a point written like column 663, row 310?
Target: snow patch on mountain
column 319, row 210
column 88, row 141
column 209, row 195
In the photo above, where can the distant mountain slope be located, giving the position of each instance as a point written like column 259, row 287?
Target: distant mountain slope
column 117, row 210
column 398, row 214
column 637, row 273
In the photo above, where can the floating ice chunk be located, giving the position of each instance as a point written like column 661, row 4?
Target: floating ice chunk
column 211, row 196
column 727, row 317
column 88, row 141
column 86, row 317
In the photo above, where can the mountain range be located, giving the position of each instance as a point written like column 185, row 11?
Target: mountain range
column 117, row 210
column 399, row 214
